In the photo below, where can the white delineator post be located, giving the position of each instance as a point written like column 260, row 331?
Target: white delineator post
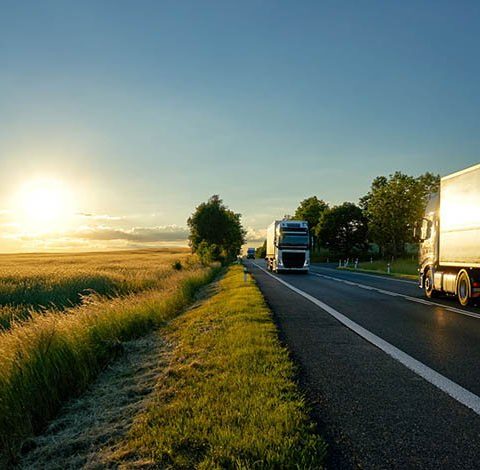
column 245, row 274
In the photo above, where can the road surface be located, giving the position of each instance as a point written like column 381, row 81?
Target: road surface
column 393, row 379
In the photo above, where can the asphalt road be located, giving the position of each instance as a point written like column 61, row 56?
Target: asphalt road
column 375, row 411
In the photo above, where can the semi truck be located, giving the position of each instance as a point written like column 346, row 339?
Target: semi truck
column 449, row 255
column 288, row 246
column 250, row 253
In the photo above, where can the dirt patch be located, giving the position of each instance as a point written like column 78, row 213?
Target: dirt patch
column 89, row 429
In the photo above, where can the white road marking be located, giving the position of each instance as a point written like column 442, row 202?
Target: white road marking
column 462, row 395
column 359, row 273
column 397, row 294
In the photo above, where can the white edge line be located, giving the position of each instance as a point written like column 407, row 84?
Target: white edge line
column 398, row 294
column 462, row 395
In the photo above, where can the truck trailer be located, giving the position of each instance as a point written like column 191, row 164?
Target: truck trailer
column 449, row 255
column 288, row 246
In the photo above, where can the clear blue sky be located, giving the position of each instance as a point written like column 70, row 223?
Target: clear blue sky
column 152, row 106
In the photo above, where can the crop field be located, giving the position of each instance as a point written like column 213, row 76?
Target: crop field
column 38, row 282
column 49, row 356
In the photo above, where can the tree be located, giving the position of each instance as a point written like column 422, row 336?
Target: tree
column 261, row 251
column 311, row 210
column 216, row 233
column 343, row 230
column 393, row 207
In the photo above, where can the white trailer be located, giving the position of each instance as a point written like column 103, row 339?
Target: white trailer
column 450, row 238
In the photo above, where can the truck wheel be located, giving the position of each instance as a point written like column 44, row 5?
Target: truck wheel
column 430, row 292
column 464, row 289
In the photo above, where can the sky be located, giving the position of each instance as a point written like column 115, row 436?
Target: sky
column 117, row 118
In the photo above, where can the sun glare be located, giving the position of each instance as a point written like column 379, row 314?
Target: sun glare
column 44, row 204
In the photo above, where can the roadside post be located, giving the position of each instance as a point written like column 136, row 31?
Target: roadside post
column 245, row 274
column 388, row 268
column 356, row 263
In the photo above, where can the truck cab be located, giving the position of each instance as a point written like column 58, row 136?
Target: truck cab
column 428, row 235
column 288, row 246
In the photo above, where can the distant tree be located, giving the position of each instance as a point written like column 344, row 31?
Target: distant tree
column 393, row 206
column 261, row 251
column 216, row 233
column 343, row 230
column 311, row 210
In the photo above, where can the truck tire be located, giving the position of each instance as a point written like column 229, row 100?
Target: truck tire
column 464, row 289
column 430, row 292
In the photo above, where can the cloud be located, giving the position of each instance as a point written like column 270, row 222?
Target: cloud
column 256, row 235
column 99, row 217
column 169, row 233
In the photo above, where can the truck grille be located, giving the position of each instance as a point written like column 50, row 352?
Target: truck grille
column 293, row 260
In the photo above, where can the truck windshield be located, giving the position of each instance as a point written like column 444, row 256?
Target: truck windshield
column 287, row 239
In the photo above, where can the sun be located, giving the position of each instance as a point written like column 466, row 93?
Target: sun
column 44, row 204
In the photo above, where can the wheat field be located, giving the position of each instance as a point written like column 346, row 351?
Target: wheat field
column 39, row 282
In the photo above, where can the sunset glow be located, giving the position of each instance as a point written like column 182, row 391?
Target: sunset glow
column 44, row 205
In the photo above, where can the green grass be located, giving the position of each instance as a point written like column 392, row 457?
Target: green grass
column 36, row 282
column 53, row 357
column 402, row 267
column 229, row 399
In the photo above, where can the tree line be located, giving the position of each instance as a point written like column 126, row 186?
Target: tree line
column 383, row 220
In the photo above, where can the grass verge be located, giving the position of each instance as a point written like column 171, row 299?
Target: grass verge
column 228, row 399
column 402, row 268
column 53, row 357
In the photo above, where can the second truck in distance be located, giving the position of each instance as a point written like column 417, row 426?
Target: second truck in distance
column 288, row 246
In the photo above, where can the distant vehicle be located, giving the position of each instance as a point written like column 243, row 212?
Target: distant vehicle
column 449, row 255
column 288, row 246
column 250, row 253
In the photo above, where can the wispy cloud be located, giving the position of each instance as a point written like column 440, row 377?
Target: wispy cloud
column 104, row 217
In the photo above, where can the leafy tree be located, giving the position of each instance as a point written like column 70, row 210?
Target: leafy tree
column 261, row 251
column 216, row 233
column 393, row 206
column 311, row 210
column 343, row 230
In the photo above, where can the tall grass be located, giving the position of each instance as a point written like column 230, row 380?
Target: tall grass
column 53, row 357
column 35, row 282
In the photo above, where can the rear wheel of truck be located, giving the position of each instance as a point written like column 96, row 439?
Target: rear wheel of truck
column 464, row 289
column 430, row 292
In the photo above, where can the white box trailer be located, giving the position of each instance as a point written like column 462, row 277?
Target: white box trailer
column 449, row 255
column 460, row 219
column 288, row 246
